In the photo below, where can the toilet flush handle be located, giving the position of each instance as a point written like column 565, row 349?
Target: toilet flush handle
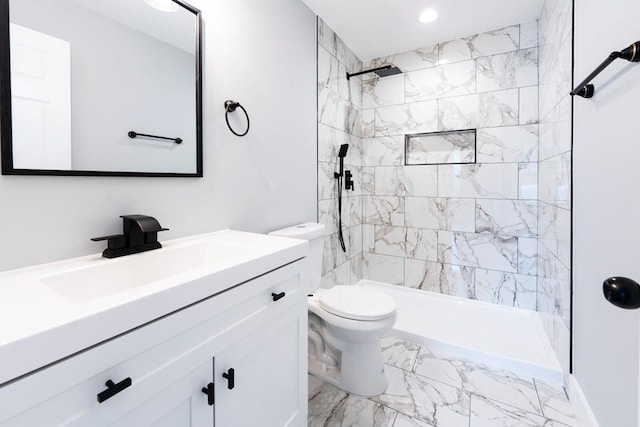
column 277, row 297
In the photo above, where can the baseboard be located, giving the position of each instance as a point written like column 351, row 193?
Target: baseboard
column 580, row 405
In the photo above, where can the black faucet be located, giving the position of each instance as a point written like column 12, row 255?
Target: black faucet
column 140, row 233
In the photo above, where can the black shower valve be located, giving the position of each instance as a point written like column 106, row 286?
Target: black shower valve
column 348, row 182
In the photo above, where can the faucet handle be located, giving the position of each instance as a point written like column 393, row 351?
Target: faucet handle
column 115, row 241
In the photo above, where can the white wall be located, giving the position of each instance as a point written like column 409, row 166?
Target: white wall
column 606, row 202
column 260, row 53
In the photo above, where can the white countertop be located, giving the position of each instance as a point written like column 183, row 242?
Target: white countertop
column 50, row 311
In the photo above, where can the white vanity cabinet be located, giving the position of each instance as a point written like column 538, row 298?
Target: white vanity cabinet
column 257, row 328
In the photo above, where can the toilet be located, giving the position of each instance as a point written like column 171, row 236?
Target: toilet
column 345, row 324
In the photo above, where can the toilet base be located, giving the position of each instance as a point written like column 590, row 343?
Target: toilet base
column 364, row 379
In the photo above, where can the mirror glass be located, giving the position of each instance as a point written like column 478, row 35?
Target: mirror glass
column 101, row 87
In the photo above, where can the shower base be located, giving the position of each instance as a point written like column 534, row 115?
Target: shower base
column 500, row 336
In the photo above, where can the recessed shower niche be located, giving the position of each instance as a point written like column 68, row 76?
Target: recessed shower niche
column 434, row 148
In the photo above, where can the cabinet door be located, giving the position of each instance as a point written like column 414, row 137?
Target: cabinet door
column 269, row 375
column 181, row 404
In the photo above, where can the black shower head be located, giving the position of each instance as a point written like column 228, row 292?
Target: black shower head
column 388, row 71
column 343, row 150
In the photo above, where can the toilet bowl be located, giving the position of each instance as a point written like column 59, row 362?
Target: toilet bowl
column 345, row 324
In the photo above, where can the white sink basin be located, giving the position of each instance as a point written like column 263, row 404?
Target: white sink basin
column 107, row 277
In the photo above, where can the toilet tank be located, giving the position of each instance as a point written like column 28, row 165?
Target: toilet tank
column 314, row 233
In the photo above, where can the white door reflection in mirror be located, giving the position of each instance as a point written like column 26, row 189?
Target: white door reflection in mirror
column 41, row 100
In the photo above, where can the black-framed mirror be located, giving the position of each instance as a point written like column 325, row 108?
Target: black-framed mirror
column 101, row 88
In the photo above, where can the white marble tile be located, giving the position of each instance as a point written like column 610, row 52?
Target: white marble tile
column 441, row 147
column 403, row 420
column 528, row 34
column 327, row 215
column 367, row 181
column 437, row 82
column 507, row 217
column 554, row 230
column 420, row 274
column 479, row 45
column 327, row 70
column 448, row 368
column 352, row 210
column 488, row 109
column 418, row 59
column 508, row 144
column 421, row 244
column 454, row 51
column 488, row 413
column 508, row 70
column 380, row 92
column 368, row 123
column 354, row 152
column 344, row 91
column 329, row 141
column 528, row 112
column 498, row 287
column 527, row 256
column 494, row 42
column 555, row 403
column 446, row 279
column 383, row 210
column 329, row 252
column 399, row 353
column 406, row 181
column 383, row 151
column 390, row 240
column 408, row 118
column 555, row 180
column 383, row 268
column 356, row 269
column 478, row 250
column 440, row 213
column 368, row 238
column 424, row 399
column 328, row 106
column 355, row 91
column 330, row 406
column 501, row 385
column 342, row 274
column 326, row 182
column 528, row 181
column 478, row 181
column 555, row 130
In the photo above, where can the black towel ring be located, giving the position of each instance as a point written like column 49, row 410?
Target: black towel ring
column 229, row 107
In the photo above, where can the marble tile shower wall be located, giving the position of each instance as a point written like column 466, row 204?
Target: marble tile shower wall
column 465, row 230
column 554, row 205
column 339, row 122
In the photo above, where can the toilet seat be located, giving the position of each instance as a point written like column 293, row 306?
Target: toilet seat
column 357, row 303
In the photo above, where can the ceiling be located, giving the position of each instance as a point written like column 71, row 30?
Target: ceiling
column 375, row 28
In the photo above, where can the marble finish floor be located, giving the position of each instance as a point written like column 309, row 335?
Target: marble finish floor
column 432, row 388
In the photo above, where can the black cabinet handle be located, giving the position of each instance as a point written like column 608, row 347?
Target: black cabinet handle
column 277, row 297
column 209, row 391
column 622, row 292
column 113, row 389
column 231, row 378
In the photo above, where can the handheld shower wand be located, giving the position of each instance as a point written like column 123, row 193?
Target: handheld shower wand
column 342, row 153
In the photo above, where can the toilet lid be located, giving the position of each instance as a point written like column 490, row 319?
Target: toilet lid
column 358, row 303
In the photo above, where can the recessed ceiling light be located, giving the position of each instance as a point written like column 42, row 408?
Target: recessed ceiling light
column 428, row 15
column 163, row 5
